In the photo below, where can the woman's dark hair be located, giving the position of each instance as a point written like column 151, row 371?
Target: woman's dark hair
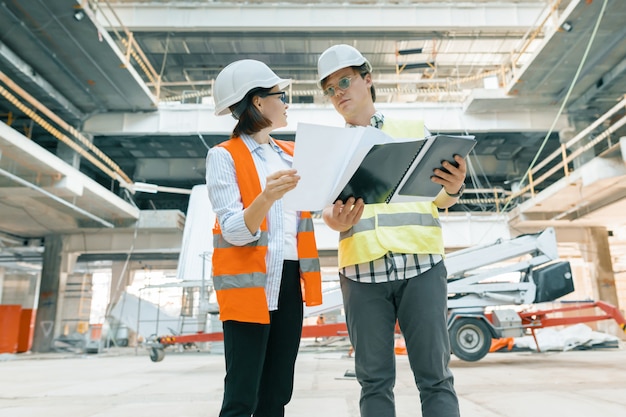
column 250, row 119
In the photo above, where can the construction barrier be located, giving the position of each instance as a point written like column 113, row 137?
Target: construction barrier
column 9, row 327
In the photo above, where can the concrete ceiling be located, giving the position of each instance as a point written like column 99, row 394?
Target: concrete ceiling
column 72, row 61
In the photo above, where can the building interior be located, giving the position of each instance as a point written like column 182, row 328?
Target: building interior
column 107, row 114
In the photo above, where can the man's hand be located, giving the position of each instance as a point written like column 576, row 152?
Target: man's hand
column 341, row 217
column 454, row 178
column 451, row 181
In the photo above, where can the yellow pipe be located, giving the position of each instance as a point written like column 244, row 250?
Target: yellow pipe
column 61, row 123
column 55, row 132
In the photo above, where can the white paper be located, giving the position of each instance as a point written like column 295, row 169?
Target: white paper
column 326, row 157
column 320, row 157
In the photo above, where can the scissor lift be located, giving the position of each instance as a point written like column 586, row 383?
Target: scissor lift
column 482, row 297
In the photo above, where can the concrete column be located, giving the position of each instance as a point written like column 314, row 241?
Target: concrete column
column 597, row 252
column 48, row 295
column 121, row 278
column 69, row 155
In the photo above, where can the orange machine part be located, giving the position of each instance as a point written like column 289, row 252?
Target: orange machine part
column 9, row 327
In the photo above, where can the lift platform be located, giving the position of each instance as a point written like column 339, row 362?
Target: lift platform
column 493, row 292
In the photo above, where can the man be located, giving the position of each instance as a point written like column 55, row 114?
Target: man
column 391, row 260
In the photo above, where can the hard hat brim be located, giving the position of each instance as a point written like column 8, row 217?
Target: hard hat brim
column 228, row 102
column 356, row 63
column 338, row 57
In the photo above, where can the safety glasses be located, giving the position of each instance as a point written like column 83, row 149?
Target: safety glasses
column 282, row 96
column 342, row 84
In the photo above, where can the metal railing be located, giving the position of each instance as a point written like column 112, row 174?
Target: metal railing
column 132, row 51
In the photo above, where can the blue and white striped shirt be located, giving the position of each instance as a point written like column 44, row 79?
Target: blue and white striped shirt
column 225, row 198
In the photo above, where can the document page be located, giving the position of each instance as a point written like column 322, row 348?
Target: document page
column 320, row 157
column 326, row 157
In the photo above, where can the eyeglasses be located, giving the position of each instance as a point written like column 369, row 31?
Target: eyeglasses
column 282, row 96
column 342, row 84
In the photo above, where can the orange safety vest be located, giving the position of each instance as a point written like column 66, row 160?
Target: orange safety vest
column 239, row 272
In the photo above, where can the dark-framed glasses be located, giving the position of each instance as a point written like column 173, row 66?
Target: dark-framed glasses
column 342, row 84
column 282, row 96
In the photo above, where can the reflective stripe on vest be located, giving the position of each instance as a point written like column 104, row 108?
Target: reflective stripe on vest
column 239, row 272
column 396, row 227
column 392, row 220
column 224, row 282
column 219, row 242
column 311, row 277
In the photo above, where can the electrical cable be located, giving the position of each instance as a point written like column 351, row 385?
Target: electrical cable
column 203, row 141
column 563, row 104
column 566, row 98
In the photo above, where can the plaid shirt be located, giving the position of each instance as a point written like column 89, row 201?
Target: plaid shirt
column 392, row 266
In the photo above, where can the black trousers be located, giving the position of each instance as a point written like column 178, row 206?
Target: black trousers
column 260, row 358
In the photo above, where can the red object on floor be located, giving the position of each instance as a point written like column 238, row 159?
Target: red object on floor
column 9, row 327
column 502, row 343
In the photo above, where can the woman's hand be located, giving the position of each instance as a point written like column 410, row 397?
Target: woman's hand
column 276, row 185
column 280, row 182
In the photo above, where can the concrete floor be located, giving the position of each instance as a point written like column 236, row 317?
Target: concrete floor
column 122, row 383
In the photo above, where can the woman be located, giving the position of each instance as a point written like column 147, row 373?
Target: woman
column 261, row 251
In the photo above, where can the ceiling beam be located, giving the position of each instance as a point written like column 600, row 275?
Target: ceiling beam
column 432, row 17
column 194, row 119
column 24, row 156
column 613, row 75
column 28, row 73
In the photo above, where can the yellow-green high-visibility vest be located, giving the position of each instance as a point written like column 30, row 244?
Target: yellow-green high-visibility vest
column 396, row 227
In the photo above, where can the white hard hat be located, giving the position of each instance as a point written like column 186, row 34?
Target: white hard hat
column 337, row 57
column 238, row 78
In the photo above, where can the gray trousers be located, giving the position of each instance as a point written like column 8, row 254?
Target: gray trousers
column 420, row 306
